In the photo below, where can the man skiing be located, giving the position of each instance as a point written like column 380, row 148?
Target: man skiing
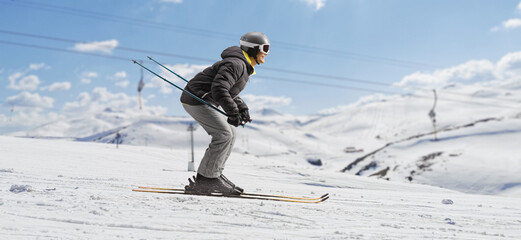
column 220, row 85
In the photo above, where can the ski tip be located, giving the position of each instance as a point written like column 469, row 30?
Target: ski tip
column 149, row 57
column 325, row 195
column 134, row 61
column 324, row 199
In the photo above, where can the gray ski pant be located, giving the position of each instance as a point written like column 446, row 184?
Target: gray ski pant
column 223, row 138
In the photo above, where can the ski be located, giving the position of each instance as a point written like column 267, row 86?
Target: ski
column 230, row 196
column 248, row 194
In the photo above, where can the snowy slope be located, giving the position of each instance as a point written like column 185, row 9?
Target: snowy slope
column 77, row 190
column 478, row 143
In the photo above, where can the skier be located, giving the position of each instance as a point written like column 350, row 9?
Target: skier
column 220, row 85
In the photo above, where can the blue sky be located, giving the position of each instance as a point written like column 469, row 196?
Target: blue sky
column 63, row 58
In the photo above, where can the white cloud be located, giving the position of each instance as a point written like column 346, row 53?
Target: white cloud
column 158, row 83
column 365, row 100
column 83, row 99
column 22, row 119
column 29, row 100
column 21, row 81
column 508, row 67
column 86, row 80
column 472, row 71
column 185, row 70
column 102, row 46
column 509, row 62
column 120, row 75
column 86, row 77
column 103, row 95
column 511, row 23
column 13, row 77
column 101, row 99
column 37, row 66
column 318, row 4
column 81, row 104
column 90, row 74
column 57, row 86
column 18, row 81
column 261, row 102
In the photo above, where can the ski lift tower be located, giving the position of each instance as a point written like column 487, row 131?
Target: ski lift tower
column 191, row 128
column 140, row 87
column 432, row 115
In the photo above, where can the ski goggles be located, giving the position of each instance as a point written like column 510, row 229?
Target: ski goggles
column 263, row 48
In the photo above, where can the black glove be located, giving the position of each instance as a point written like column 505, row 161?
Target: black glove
column 245, row 115
column 234, row 120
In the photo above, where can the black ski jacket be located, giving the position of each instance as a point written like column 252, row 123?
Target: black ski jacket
column 221, row 83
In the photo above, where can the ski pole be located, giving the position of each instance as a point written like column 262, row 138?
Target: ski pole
column 242, row 123
column 167, row 69
column 189, row 93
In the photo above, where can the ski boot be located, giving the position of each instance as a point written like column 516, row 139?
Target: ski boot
column 206, row 185
column 231, row 183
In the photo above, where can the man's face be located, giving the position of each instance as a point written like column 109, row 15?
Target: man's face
column 261, row 57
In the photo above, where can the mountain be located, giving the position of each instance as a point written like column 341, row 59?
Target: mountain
column 386, row 137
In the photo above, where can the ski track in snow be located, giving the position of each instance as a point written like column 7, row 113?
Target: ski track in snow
column 83, row 191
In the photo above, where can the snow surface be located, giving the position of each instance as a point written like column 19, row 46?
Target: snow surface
column 79, row 190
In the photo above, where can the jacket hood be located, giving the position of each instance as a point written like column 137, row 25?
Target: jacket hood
column 236, row 52
column 233, row 52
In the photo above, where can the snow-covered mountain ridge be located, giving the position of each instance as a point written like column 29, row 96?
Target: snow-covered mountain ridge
column 475, row 137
